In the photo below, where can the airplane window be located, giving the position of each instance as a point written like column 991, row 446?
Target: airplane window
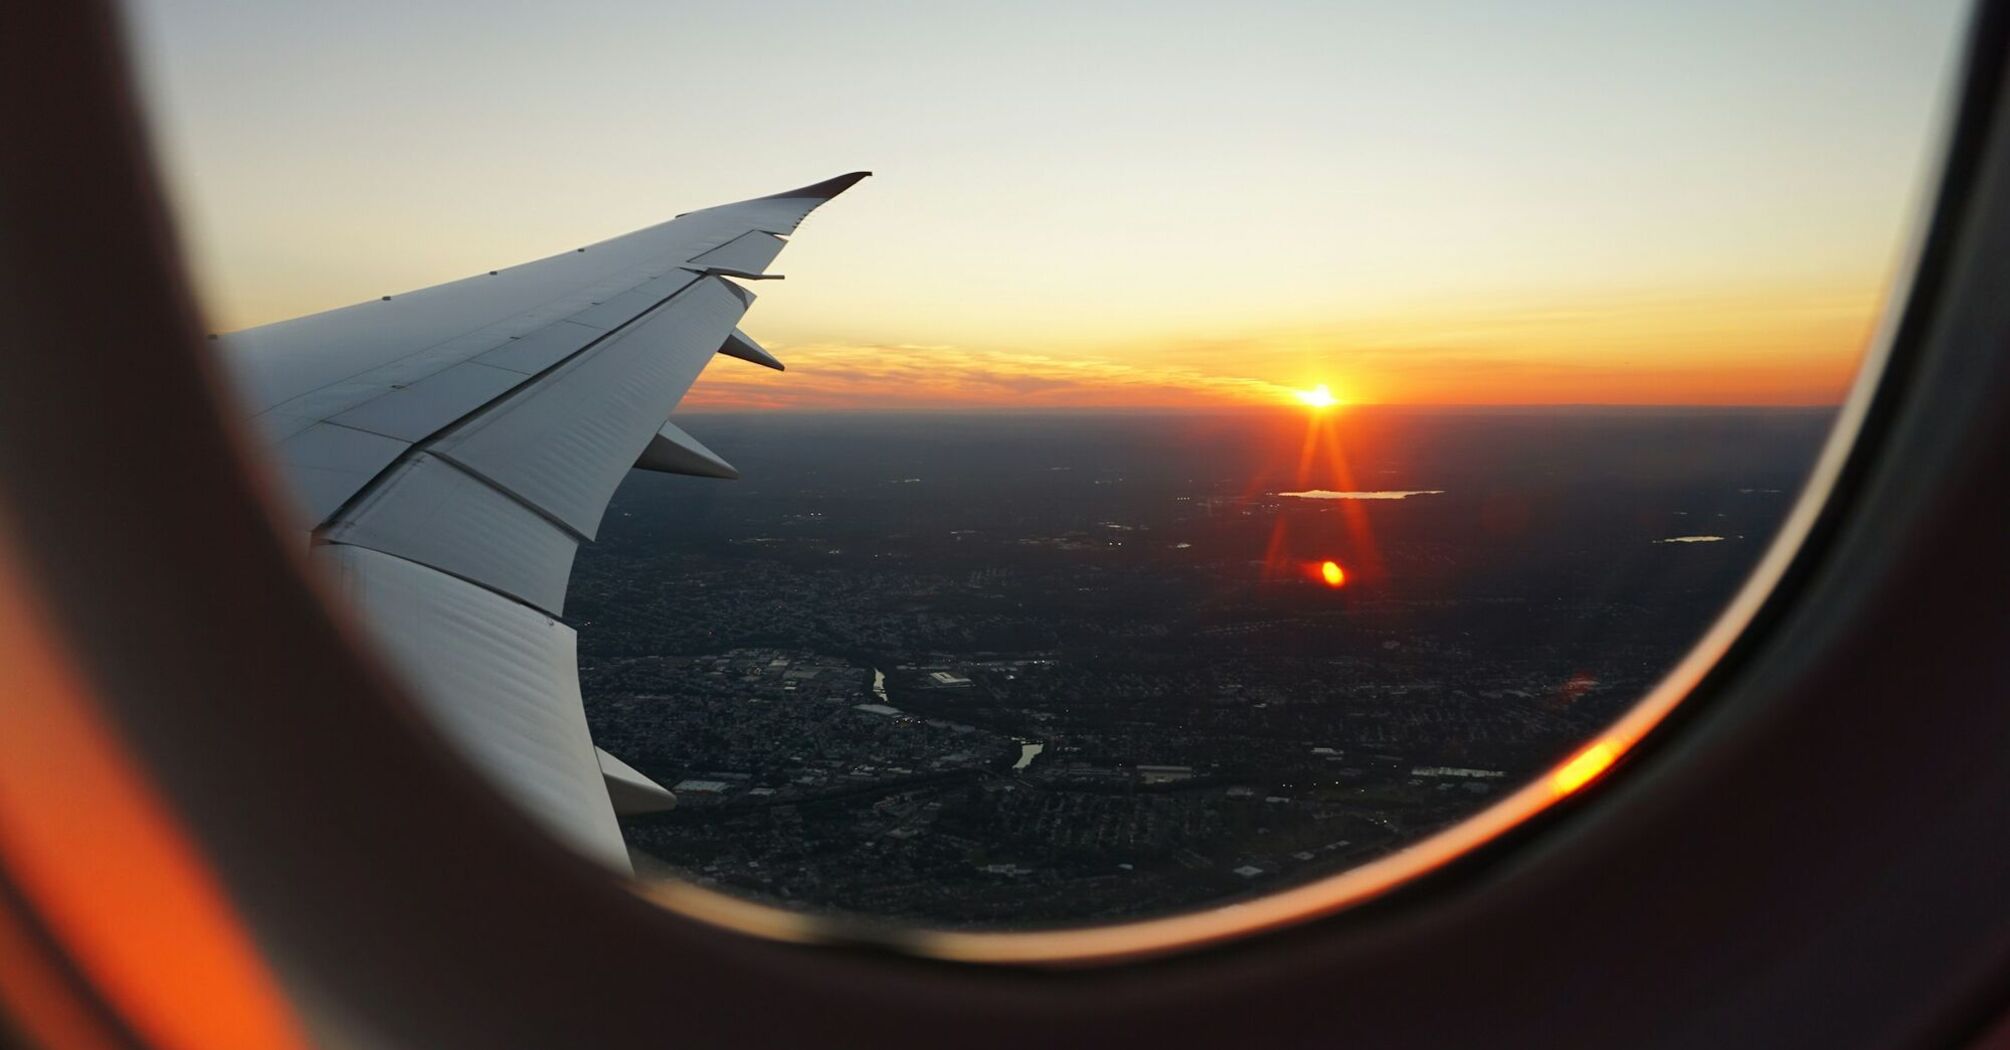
column 1225, row 457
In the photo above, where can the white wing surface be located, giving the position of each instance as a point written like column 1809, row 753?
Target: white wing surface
column 448, row 449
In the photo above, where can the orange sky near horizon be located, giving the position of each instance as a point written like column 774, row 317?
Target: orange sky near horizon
column 1786, row 348
column 1101, row 203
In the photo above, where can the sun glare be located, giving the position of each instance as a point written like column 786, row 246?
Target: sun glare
column 1333, row 574
column 1317, row 397
column 1584, row 767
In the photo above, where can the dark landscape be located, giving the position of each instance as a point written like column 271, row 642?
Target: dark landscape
column 1014, row 670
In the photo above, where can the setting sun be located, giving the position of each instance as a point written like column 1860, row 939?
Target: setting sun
column 1333, row 574
column 1317, row 397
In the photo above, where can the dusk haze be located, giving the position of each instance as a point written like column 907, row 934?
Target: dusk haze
column 1107, row 205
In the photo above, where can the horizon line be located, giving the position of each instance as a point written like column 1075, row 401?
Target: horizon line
column 1463, row 406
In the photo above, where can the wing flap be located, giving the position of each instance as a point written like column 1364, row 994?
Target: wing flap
column 431, row 512
column 564, row 444
column 502, row 681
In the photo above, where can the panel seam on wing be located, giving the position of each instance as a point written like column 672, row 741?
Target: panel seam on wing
column 363, row 492
column 428, row 566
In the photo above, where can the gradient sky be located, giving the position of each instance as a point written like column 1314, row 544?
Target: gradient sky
column 1094, row 204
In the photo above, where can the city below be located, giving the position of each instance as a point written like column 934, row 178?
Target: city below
column 1017, row 671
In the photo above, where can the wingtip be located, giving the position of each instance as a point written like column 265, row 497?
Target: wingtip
column 824, row 190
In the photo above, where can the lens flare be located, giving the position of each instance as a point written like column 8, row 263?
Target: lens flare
column 1317, row 397
column 1333, row 574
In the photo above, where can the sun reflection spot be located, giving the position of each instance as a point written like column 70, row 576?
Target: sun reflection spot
column 1318, row 397
column 1584, row 767
column 1333, row 574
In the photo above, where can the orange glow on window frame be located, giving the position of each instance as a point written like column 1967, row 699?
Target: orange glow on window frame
column 1584, row 767
column 109, row 874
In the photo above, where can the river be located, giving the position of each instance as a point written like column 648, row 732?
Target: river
column 1028, row 751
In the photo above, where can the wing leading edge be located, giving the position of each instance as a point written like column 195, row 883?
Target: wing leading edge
column 448, row 449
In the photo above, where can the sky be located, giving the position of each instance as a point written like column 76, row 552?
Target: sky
column 1102, row 204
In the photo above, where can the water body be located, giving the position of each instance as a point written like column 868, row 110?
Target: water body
column 1027, row 753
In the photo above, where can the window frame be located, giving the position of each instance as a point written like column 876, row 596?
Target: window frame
column 1791, row 860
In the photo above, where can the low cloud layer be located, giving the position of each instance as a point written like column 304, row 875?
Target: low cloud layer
column 906, row 376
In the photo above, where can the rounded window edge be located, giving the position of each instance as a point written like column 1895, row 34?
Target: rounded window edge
column 1777, row 583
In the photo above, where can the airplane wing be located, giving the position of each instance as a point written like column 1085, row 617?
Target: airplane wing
column 448, row 450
